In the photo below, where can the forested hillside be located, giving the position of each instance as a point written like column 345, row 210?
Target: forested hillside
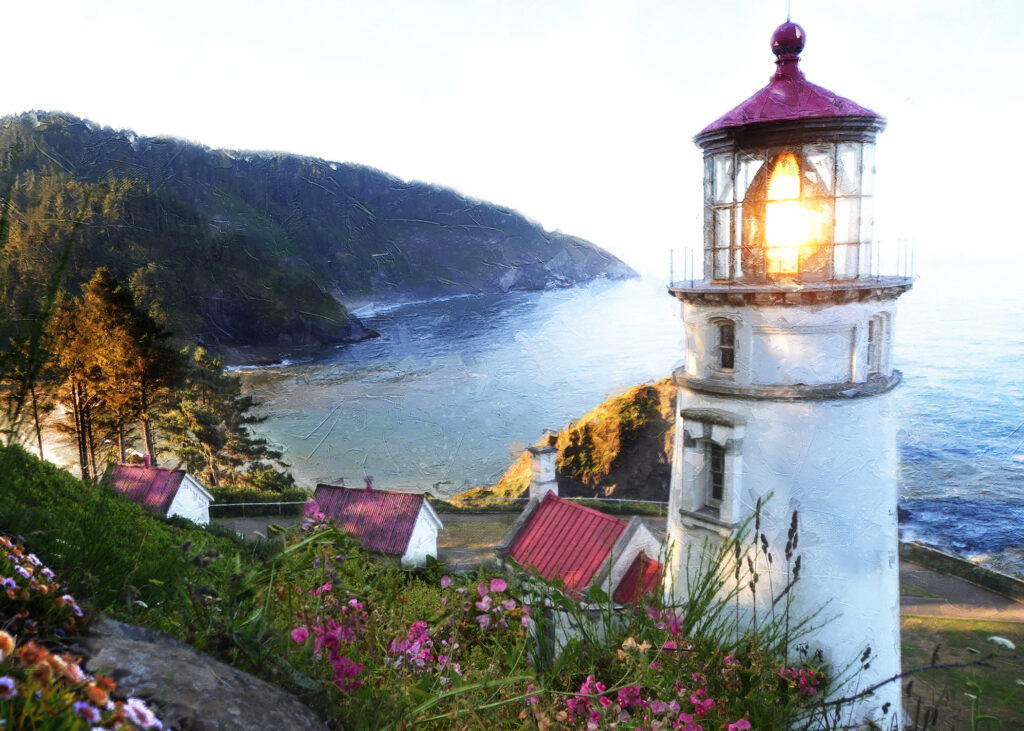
column 256, row 248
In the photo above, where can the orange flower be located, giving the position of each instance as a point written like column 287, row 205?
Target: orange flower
column 96, row 696
column 42, row 672
column 6, row 644
column 32, row 653
column 106, row 682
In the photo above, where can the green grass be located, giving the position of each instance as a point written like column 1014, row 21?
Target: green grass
column 998, row 685
column 911, row 590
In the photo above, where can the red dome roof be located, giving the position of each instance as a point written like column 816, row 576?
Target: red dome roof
column 789, row 95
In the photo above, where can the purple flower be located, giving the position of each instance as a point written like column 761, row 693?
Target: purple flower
column 498, row 585
column 8, row 583
column 47, row 574
column 484, row 620
column 7, row 689
column 526, row 620
column 741, row 725
column 87, row 711
column 461, row 591
column 25, row 573
column 509, row 604
column 300, row 634
column 484, row 605
column 446, row 581
column 136, row 711
column 34, row 560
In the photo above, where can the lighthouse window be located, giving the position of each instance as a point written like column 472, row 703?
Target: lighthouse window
column 716, row 473
column 876, row 334
column 726, row 345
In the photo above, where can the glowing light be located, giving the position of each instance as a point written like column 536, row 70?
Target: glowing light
column 790, row 229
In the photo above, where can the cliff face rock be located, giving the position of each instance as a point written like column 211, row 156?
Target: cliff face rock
column 620, row 449
column 240, row 248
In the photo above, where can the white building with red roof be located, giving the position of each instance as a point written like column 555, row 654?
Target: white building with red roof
column 396, row 523
column 164, row 491
column 582, row 547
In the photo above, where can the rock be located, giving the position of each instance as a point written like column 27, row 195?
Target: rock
column 190, row 690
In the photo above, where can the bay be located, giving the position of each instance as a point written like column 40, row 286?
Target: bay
column 454, row 389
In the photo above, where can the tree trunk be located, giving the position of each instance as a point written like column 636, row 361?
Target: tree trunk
column 35, row 415
column 77, row 411
column 91, row 443
column 120, row 441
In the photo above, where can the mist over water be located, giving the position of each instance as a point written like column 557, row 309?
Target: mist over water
column 453, row 390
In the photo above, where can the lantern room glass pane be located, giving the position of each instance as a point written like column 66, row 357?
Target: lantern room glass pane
column 721, row 264
column 748, row 169
column 723, row 179
column 723, row 227
column 867, row 252
column 848, row 168
column 709, row 178
column 867, row 186
column 847, row 220
column 844, row 261
column 867, row 218
column 820, row 169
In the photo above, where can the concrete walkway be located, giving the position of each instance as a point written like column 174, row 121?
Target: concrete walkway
column 952, row 598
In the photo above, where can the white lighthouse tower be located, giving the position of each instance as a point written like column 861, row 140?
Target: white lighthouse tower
column 785, row 392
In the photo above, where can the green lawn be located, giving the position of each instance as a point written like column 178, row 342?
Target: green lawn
column 999, row 685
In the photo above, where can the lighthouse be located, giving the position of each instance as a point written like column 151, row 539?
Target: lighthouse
column 785, row 391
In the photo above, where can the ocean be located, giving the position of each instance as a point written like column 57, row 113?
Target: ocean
column 454, row 389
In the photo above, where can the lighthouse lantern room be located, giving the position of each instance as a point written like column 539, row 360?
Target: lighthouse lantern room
column 784, row 394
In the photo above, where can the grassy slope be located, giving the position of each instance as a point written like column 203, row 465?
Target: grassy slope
column 622, row 448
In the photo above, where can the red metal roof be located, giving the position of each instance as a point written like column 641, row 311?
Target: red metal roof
column 380, row 520
column 153, row 487
column 641, row 578
column 562, row 539
column 788, row 95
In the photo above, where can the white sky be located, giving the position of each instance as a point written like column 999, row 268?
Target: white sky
column 578, row 114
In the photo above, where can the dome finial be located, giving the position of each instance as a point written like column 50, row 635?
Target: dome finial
column 788, row 41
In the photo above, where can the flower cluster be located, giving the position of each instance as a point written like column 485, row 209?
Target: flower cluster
column 39, row 687
column 805, row 680
column 314, row 517
column 334, row 634
column 30, row 596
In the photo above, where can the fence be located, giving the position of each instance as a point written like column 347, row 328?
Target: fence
column 254, row 510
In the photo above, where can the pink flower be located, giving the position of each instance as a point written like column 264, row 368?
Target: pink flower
column 484, row 620
column 498, row 585
column 484, row 605
column 526, row 620
column 300, row 634
column 311, row 508
column 446, row 581
column 509, row 604
column 481, row 589
column 741, row 725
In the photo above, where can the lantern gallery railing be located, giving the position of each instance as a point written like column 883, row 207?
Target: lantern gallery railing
column 876, row 259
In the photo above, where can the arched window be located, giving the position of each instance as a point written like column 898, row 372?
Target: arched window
column 725, row 345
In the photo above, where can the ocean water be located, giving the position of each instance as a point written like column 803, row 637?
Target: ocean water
column 454, row 389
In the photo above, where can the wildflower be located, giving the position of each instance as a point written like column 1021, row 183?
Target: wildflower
column 8, row 583
column 300, row 634
column 96, row 696
column 526, row 620
column 484, row 620
column 42, row 672
column 87, row 711
column 446, row 581
column 346, row 672
column 484, row 605
column 481, row 589
column 7, row 689
column 741, row 725
column 136, row 711
column 670, row 645
column 509, row 604
column 25, row 573
column 461, row 591
column 47, row 574
column 6, row 644
column 73, row 672
column 31, row 653
column 498, row 585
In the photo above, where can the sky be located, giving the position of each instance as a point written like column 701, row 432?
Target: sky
column 578, row 114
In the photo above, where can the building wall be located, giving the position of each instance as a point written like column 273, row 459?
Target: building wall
column 422, row 542
column 833, row 460
column 191, row 503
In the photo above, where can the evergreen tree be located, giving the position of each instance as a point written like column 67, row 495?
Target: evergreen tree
column 209, row 429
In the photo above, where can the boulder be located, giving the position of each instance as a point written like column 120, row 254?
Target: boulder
column 189, row 689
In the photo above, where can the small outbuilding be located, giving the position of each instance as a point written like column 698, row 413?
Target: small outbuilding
column 164, row 491
column 396, row 523
column 583, row 547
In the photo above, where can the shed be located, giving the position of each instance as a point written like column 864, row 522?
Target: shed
column 397, row 523
column 165, row 491
column 584, row 547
